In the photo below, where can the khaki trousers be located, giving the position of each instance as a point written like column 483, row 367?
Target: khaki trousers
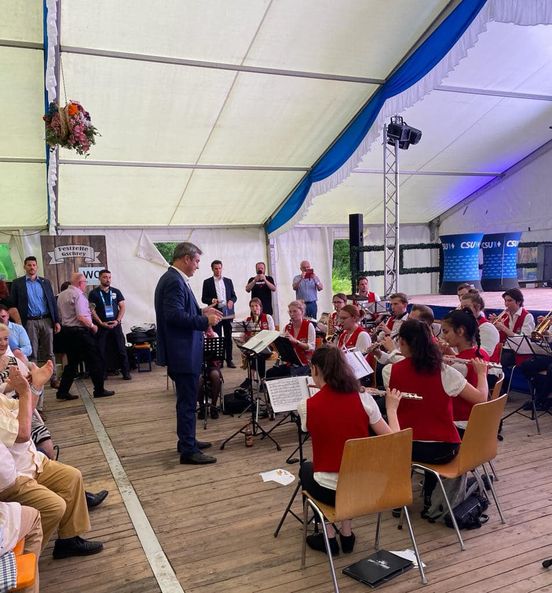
column 58, row 493
column 31, row 530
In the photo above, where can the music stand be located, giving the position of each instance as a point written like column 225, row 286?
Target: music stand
column 523, row 345
column 213, row 351
column 253, row 348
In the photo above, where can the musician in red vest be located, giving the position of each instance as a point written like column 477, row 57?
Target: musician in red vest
column 515, row 321
column 302, row 336
column 490, row 338
column 436, row 439
column 332, row 327
column 337, row 413
column 353, row 334
column 461, row 332
column 260, row 321
column 399, row 305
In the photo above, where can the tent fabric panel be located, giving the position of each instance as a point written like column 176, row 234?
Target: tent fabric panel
column 520, row 202
column 23, row 193
column 328, row 37
column 146, row 112
column 210, row 30
column 96, row 195
column 215, row 197
column 24, row 22
column 281, row 121
column 344, row 38
column 528, row 69
column 22, row 101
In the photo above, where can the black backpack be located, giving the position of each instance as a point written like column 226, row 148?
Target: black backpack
column 470, row 513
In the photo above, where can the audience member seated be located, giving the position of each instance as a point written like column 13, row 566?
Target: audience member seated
column 56, row 490
column 20, row 343
column 302, row 336
column 337, row 413
column 423, row 372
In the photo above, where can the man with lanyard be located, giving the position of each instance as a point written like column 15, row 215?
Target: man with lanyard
column 261, row 287
column 34, row 298
column 108, row 313
column 78, row 332
column 306, row 286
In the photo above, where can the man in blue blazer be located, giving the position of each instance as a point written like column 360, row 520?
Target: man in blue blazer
column 219, row 292
column 34, row 298
column 180, row 327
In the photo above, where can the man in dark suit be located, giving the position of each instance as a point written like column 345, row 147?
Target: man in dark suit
column 180, row 327
column 34, row 298
column 219, row 292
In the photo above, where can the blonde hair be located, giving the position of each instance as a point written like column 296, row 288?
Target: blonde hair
column 298, row 304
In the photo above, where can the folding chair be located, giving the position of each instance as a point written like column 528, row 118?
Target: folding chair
column 374, row 477
column 478, row 446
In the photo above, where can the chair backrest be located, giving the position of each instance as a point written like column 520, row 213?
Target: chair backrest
column 479, row 443
column 495, row 394
column 374, row 475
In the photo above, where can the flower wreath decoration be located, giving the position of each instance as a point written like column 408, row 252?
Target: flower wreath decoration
column 70, row 127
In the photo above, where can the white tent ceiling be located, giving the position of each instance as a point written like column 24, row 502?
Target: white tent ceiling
column 211, row 112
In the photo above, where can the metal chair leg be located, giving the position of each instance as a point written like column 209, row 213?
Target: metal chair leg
column 378, row 530
column 495, row 475
column 304, row 546
column 494, row 495
column 326, row 541
column 414, row 545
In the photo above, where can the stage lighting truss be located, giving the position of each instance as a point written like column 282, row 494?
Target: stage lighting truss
column 396, row 135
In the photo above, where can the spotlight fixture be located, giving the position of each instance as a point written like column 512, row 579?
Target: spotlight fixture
column 399, row 130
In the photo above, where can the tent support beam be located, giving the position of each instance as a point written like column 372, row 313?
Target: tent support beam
column 436, row 173
column 492, row 93
column 217, row 65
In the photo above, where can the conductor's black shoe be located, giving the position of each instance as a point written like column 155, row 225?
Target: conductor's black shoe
column 127, row 377
column 203, row 444
column 103, row 393
column 230, row 364
column 316, row 542
column 94, row 500
column 75, row 546
column 66, row 396
column 198, row 458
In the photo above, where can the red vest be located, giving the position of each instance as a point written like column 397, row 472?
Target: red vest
column 351, row 342
column 461, row 408
column 517, row 325
column 391, row 321
column 302, row 336
column 332, row 419
column 263, row 324
column 430, row 418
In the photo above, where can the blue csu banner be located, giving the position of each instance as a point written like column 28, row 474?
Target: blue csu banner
column 461, row 261
column 500, row 261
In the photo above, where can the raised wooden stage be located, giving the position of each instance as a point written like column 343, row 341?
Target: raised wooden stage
column 215, row 523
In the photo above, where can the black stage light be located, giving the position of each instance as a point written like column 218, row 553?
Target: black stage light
column 399, row 130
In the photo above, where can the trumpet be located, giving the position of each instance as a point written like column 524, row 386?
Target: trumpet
column 542, row 328
column 500, row 318
column 382, row 392
column 455, row 359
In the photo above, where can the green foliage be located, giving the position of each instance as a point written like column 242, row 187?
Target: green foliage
column 341, row 270
column 166, row 249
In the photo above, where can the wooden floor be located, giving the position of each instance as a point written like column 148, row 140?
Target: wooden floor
column 215, row 523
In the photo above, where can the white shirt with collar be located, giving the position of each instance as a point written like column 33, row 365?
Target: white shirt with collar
column 221, row 290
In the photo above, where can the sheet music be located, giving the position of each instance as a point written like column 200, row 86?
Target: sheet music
column 261, row 341
column 358, row 364
column 522, row 345
column 285, row 394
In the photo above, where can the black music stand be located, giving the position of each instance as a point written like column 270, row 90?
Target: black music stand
column 213, row 351
column 253, row 424
column 524, row 345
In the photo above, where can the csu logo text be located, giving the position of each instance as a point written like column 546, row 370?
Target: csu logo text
column 512, row 243
column 469, row 244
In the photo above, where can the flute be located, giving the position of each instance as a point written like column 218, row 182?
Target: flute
column 404, row 395
column 452, row 359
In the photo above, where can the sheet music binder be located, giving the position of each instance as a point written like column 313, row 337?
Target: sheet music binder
column 260, row 342
column 378, row 568
column 286, row 351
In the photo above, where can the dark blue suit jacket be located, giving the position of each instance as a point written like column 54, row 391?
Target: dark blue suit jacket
column 180, row 325
column 18, row 295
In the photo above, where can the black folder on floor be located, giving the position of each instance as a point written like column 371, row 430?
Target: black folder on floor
column 378, row 568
